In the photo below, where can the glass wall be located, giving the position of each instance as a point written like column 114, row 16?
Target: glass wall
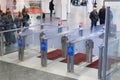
column 16, row 14
column 112, row 45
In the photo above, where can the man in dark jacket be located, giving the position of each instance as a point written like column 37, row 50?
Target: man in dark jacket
column 94, row 18
column 51, row 8
column 26, row 18
column 102, row 15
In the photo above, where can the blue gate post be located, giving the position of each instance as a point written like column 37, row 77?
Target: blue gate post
column 43, row 45
column 41, row 26
column 70, row 58
column 21, row 47
column 60, row 29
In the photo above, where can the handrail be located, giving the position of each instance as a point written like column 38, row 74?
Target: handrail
column 17, row 29
column 12, row 30
column 88, row 36
column 63, row 33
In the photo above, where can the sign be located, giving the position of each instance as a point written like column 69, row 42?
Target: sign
column 70, row 50
column 20, row 42
column 43, row 46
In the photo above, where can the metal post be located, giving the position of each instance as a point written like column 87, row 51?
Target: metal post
column 60, row 29
column 21, row 47
column 89, row 50
column 101, row 48
column 1, row 44
column 41, row 26
column 64, row 40
column 81, row 32
column 70, row 58
column 106, row 44
column 41, row 10
column 44, row 52
column 41, row 35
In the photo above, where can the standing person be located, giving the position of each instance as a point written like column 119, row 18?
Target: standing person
column 18, row 20
column 11, row 26
column 5, row 23
column 10, row 20
column 51, row 8
column 94, row 18
column 26, row 19
column 1, row 25
column 23, row 10
column 102, row 15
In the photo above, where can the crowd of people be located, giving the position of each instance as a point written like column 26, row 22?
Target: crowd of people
column 7, row 22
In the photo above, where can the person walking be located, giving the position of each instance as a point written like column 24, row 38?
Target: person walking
column 94, row 18
column 102, row 15
column 51, row 8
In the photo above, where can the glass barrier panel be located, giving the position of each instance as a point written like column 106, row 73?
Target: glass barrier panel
column 113, row 47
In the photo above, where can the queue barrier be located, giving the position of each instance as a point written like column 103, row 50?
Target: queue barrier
column 89, row 45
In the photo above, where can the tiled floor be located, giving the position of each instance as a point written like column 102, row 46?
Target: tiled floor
column 54, row 67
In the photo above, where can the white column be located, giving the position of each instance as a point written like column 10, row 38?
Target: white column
column 64, row 10
column 26, row 2
column 58, row 8
column 43, row 5
column 90, row 6
column 20, row 5
column 68, row 5
column 99, row 4
column 3, row 5
column 46, row 6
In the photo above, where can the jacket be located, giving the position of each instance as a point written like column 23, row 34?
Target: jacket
column 94, row 16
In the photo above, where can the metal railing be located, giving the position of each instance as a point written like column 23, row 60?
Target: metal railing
column 5, row 49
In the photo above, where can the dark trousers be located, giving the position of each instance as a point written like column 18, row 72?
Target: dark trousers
column 70, row 64
column 51, row 11
column 21, row 54
column 102, row 21
column 93, row 24
column 7, row 37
